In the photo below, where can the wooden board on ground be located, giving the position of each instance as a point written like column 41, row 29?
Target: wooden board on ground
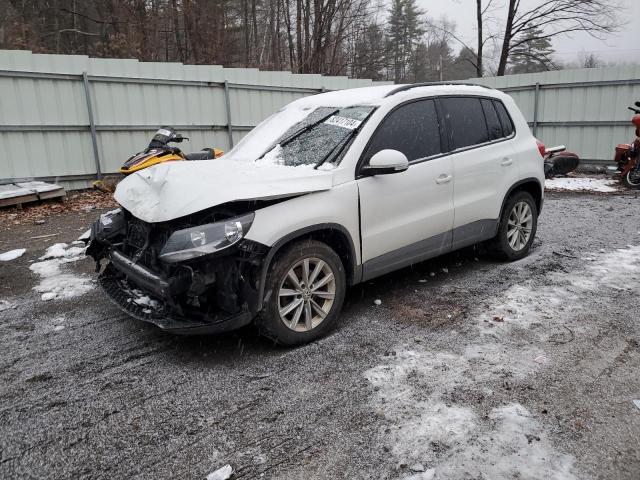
column 25, row 192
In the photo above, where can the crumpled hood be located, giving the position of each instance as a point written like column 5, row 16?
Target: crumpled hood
column 174, row 189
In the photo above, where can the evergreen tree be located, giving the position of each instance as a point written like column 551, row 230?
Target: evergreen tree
column 404, row 30
column 369, row 61
column 533, row 54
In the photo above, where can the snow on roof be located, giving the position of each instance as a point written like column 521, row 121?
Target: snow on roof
column 378, row 95
column 347, row 98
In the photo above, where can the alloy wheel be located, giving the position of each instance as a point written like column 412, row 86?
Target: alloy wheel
column 519, row 226
column 306, row 294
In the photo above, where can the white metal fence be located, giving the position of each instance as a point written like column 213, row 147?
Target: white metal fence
column 70, row 118
column 584, row 109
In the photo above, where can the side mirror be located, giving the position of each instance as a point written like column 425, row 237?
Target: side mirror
column 386, row 162
column 637, row 104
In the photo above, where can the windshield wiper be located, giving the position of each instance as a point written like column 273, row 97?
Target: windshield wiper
column 306, row 128
column 297, row 133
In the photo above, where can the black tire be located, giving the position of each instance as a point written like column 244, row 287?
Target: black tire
column 499, row 247
column 269, row 321
column 631, row 179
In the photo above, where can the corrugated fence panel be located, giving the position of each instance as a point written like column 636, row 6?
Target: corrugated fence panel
column 44, row 116
column 584, row 109
column 45, row 129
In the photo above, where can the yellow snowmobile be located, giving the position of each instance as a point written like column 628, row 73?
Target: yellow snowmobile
column 159, row 151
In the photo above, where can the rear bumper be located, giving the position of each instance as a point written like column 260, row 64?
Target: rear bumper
column 122, row 281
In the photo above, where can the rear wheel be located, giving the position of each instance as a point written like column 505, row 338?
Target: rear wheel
column 517, row 229
column 305, row 290
column 632, row 178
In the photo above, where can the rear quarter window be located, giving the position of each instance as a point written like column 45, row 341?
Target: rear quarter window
column 493, row 122
column 505, row 119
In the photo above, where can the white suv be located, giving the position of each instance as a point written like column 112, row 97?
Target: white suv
column 332, row 190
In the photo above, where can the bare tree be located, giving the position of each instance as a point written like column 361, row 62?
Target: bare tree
column 556, row 17
column 481, row 19
column 588, row 60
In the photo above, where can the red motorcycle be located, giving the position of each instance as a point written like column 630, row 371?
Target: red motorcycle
column 627, row 155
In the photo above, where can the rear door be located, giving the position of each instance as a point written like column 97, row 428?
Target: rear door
column 407, row 217
column 482, row 163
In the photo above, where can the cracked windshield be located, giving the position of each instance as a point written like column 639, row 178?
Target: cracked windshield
column 319, row 138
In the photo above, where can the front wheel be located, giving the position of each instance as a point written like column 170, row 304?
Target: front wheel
column 632, row 179
column 305, row 290
column 517, row 228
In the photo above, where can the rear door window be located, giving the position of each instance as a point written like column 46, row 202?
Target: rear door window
column 465, row 122
column 505, row 119
column 493, row 122
column 412, row 129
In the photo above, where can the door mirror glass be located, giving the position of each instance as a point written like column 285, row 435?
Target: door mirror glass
column 385, row 162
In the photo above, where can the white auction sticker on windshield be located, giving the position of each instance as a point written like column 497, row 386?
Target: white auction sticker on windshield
column 343, row 122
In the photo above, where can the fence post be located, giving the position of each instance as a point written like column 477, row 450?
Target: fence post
column 227, row 101
column 536, row 100
column 92, row 125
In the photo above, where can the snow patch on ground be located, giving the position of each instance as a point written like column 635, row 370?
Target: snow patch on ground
column 63, row 250
column 526, row 304
column 515, row 446
column 584, row 184
column 221, row 474
column 12, row 254
column 418, row 391
column 55, row 282
column 425, row 426
column 6, row 305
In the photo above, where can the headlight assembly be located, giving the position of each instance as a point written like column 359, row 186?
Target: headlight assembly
column 202, row 240
column 108, row 225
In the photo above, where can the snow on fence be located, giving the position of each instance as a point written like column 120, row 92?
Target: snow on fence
column 71, row 118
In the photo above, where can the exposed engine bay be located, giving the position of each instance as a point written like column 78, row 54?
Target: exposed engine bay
column 195, row 273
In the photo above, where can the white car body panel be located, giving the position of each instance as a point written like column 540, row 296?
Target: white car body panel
column 402, row 209
column 525, row 150
column 479, row 181
column 337, row 206
column 175, row 189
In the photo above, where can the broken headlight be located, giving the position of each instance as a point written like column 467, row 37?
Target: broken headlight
column 202, row 240
column 108, row 225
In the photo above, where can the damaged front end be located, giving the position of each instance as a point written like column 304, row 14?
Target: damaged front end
column 196, row 274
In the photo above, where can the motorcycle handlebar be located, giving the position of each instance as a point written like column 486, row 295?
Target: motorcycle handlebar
column 634, row 110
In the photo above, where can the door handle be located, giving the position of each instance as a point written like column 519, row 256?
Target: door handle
column 506, row 162
column 444, row 178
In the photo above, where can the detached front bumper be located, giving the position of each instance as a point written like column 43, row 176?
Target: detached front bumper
column 127, row 285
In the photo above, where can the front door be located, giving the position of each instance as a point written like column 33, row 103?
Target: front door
column 407, row 217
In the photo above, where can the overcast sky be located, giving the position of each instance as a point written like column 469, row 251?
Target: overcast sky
column 622, row 47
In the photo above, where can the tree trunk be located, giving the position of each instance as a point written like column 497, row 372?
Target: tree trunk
column 299, row 35
column 287, row 19
column 479, row 69
column 506, row 42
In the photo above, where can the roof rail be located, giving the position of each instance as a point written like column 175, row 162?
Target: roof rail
column 403, row 88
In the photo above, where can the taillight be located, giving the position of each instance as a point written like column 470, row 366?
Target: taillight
column 541, row 148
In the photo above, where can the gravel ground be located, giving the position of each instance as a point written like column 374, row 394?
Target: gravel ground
column 482, row 370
